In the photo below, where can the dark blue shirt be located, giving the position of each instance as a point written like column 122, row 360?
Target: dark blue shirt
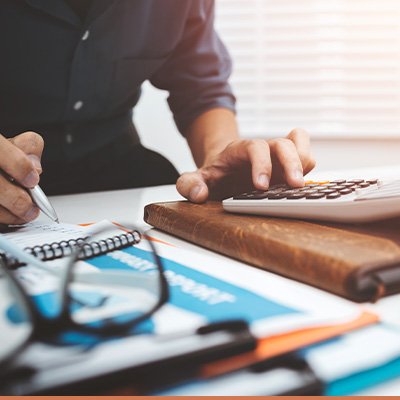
column 76, row 81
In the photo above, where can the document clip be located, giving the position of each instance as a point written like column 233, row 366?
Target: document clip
column 299, row 378
column 283, row 375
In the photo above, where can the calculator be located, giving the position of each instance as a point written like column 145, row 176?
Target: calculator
column 339, row 200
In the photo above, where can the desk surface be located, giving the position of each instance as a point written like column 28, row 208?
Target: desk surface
column 126, row 206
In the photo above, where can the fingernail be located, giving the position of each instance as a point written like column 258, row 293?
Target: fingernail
column 35, row 161
column 263, row 180
column 31, row 179
column 32, row 214
column 298, row 175
column 194, row 192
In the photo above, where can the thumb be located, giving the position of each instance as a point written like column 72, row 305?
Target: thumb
column 32, row 145
column 192, row 186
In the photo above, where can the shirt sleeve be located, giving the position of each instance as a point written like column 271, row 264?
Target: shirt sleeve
column 197, row 71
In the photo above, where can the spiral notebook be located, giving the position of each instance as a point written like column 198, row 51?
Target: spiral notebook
column 48, row 241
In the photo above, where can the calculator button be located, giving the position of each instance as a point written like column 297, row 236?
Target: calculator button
column 338, row 187
column 323, row 182
column 314, row 196
column 339, row 181
column 372, row 181
column 295, row 196
column 257, row 191
column 357, row 181
column 243, row 196
column 259, row 196
column 331, row 196
column 276, row 196
column 252, row 196
column 311, row 185
column 310, row 191
column 346, row 191
column 349, row 184
column 364, row 185
column 289, row 191
column 274, row 191
column 327, row 191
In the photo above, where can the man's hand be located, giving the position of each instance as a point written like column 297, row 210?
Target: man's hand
column 19, row 161
column 245, row 165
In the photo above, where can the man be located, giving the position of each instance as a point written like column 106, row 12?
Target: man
column 71, row 71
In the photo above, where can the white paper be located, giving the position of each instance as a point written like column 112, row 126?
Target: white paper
column 314, row 307
column 39, row 233
column 356, row 351
column 317, row 307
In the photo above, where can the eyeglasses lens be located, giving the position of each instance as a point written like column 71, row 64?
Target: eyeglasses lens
column 16, row 323
column 115, row 289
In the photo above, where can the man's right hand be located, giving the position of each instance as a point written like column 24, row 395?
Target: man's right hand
column 19, row 161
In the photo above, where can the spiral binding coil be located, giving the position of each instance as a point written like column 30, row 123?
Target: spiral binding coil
column 55, row 250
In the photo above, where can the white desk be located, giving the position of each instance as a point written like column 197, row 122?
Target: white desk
column 118, row 206
column 126, row 206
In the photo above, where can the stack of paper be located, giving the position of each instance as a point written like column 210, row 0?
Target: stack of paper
column 282, row 314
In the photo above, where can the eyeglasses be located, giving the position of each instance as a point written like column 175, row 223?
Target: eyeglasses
column 107, row 295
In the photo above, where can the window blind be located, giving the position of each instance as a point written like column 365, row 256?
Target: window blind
column 330, row 67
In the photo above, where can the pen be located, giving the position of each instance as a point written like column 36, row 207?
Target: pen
column 41, row 200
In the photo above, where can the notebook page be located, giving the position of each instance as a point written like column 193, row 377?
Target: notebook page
column 39, row 233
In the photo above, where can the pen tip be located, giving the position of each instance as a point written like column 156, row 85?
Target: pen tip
column 57, row 221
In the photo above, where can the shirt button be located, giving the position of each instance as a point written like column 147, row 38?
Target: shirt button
column 85, row 35
column 78, row 105
column 69, row 138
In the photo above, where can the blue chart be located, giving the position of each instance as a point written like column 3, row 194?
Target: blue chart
column 192, row 291
column 198, row 292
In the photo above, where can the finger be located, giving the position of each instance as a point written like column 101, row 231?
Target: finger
column 32, row 145
column 258, row 152
column 16, row 201
column 302, row 142
column 15, row 163
column 311, row 164
column 8, row 218
column 286, row 153
column 192, row 186
column 235, row 160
